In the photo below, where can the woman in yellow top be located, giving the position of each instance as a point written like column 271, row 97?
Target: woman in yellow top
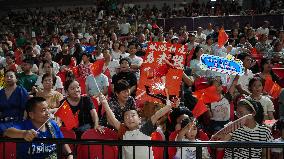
column 52, row 97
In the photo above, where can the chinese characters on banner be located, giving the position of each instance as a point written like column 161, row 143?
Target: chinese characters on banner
column 161, row 72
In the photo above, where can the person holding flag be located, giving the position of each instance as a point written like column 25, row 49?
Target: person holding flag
column 84, row 115
column 38, row 125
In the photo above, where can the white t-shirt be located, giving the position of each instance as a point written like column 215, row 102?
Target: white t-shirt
column 91, row 87
column 124, row 28
column 200, row 38
column 262, row 30
column 141, row 152
column 266, row 103
column 244, row 80
column 190, row 152
column 207, row 32
column 58, row 83
column 220, row 110
column 136, row 61
column 112, row 66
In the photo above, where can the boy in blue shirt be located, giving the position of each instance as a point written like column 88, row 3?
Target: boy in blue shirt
column 38, row 114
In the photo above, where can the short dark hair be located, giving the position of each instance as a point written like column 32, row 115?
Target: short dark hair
column 125, row 59
column 49, row 62
column 133, row 43
column 32, row 102
column 49, row 75
column 126, row 110
column 121, row 85
column 28, row 61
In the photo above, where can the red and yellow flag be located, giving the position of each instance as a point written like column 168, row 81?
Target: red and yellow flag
column 222, row 37
column 65, row 114
column 97, row 67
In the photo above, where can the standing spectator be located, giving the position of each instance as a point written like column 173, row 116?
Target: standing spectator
column 12, row 102
column 27, row 79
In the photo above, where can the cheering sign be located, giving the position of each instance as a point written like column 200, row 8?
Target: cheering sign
column 161, row 72
column 226, row 65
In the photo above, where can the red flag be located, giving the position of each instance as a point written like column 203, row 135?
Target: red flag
column 209, row 94
column 97, row 67
column 199, row 108
column 65, row 114
column 268, row 84
column 222, row 37
column 275, row 90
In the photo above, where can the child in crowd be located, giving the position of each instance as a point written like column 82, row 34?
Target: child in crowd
column 253, row 130
column 188, row 133
column 256, row 87
column 131, row 129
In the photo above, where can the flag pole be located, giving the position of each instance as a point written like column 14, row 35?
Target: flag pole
column 50, row 117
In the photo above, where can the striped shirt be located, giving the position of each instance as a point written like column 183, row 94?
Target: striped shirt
column 259, row 133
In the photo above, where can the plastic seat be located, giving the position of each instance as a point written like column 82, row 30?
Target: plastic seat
column 158, row 152
column 95, row 151
column 8, row 150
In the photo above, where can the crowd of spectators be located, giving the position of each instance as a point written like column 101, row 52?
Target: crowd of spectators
column 46, row 61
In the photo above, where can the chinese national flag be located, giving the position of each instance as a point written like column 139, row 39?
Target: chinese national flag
column 97, row 67
column 65, row 114
column 275, row 91
column 222, row 37
column 199, row 108
column 209, row 94
column 268, row 84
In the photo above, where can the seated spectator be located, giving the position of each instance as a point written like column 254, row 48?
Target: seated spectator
column 27, row 79
column 12, row 102
column 262, row 46
column 38, row 114
column 253, row 130
column 82, row 107
column 135, row 61
column 47, row 56
column 243, row 80
column 256, row 87
column 220, row 111
column 97, row 84
column 48, row 69
column 64, row 57
column 10, row 63
column 195, row 63
column 200, row 37
column 207, row 47
column 115, row 52
column 125, row 74
column 51, row 96
column 188, row 133
column 120, row 101
column 266, row 66
column 84, row 67
column 131, row 128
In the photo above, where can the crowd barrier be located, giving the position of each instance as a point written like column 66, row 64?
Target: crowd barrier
column 105, row 153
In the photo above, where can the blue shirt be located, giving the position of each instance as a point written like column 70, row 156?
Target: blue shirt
column 37, row 150
column 15, row 105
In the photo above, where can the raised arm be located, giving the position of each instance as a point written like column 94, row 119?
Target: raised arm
column 110, row 115
column 163, row 111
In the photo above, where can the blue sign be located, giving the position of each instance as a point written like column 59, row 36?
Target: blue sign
column 226, row 65
column 88, row 49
